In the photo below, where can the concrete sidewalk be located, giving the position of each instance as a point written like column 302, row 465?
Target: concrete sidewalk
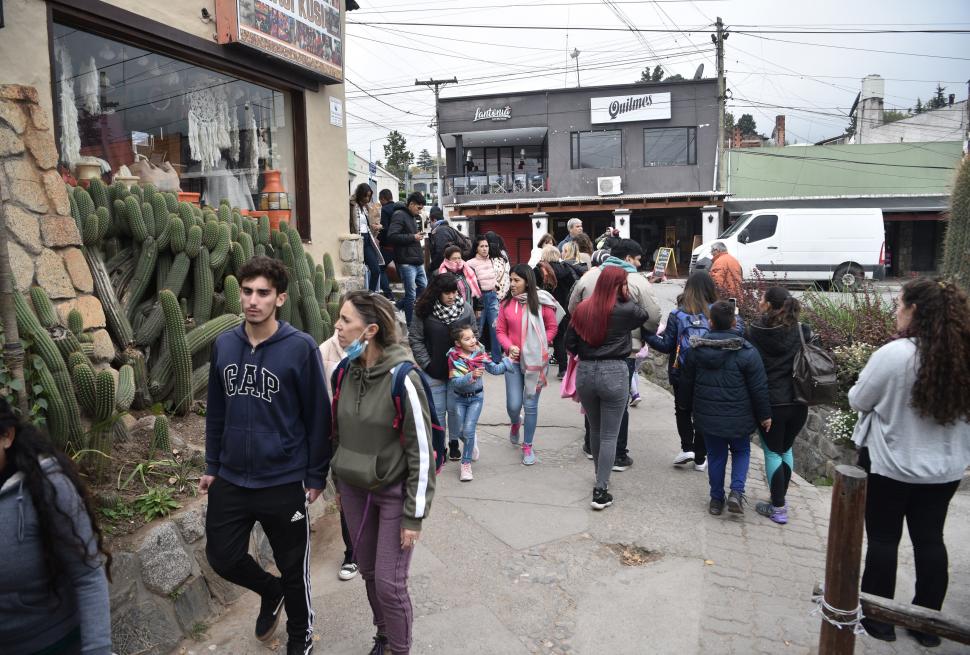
column 516, row 562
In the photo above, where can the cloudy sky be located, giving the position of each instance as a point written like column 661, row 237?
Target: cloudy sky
column 812, row 78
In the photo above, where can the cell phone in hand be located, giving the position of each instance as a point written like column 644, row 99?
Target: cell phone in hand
column 734, row 305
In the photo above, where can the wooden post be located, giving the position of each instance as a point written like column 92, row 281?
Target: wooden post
column 843, row 557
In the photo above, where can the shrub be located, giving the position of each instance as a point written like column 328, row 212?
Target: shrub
column 851, row 360
column 843, row 319
column 840, row 425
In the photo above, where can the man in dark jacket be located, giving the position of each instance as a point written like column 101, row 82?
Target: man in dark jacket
column 388, row 206
column 725, row 386
column 440, row 237
column 404, row 235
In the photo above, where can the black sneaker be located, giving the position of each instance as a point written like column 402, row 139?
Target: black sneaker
column 299, row 646
column 736, row 502
column 454, row 451
column 269, row 615
column 716, row 507
column 622, row 463
column 601, row 499
column 879, row 630
column 925, row 639
column 380, row 645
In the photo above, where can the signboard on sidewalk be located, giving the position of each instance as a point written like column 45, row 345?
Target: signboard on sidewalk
column 663, row 259
column 303, row 32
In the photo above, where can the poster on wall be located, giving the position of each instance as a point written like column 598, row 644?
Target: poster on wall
column 302, row 32
column 336, row 112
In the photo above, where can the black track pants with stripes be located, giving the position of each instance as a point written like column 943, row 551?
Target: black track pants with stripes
column 282, row 511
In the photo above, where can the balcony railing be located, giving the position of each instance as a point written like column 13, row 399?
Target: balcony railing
column 481, row 184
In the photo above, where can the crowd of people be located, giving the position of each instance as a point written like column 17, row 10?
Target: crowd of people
column 379, row 407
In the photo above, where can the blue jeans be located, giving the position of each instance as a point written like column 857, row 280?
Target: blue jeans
column 415, row 280
column 488, row 318
column 439, row 395
column 464, row 420
column 388, row 255
column 515, row 400
column 717, row 455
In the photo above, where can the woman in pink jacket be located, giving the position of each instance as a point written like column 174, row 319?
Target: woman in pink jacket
column 526, row 326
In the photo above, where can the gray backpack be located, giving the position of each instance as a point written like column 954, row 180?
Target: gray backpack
column 814, row 374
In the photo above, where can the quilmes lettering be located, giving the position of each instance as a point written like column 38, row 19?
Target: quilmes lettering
column 630, row 104
column 492, row 113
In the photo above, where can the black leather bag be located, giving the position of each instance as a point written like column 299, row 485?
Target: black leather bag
column 814, row 374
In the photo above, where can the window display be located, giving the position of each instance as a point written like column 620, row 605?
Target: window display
column 175, row 125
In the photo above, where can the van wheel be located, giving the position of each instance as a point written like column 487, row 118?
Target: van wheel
column 848, row 277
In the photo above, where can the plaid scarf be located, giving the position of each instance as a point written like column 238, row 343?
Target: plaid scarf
column 448, row 314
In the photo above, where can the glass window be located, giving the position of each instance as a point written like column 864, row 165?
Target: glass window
column 198, row 130
column 762, row 227
column 670, row 146
column 601, row 149
column 474, row 160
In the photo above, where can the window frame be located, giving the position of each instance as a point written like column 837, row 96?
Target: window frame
column 575, row 140
column 691, row 145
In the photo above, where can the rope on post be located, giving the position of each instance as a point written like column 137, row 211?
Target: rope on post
column 838, row 617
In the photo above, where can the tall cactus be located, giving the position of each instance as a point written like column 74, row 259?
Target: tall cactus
column 136, row 222
column 161, row 441
column 202, row 287
column 58, row 419
column 144, row 275
column 230, row 290
column 328, row 266
column 179, row 351
column 84, row 382
column 197, row 340
column 956, row 243
column 118, row 321
column 65, row 340
column 125, row 393
column 221, row 251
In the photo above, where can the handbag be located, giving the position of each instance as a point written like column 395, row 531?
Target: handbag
column 814, row 374
column 568, row 387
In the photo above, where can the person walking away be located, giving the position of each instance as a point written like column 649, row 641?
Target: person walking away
column 441, row 236
column 267, row 451
column 332, row 354
column 385, row 473
column 599, row 334
column 403, row 233
column 725, row 387
column 365, row 221
column 725, row 271
column 558, row 276
column 526, row 326
column 439, row 309
column 467, row 279
column 774, row 333
column 571, row 255
column 575, row 228
column 536, row 254
column 492, row 270
column 691, row 318
column 388, row 207
column 625, row 254
column 54, row 580
column 467, row 362
column 914, row 440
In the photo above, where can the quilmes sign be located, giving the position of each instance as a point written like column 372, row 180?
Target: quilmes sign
column 492, row 113
column 625, row 109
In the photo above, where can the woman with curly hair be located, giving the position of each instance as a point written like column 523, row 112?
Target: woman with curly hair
column 53, row 585
column 914, row 435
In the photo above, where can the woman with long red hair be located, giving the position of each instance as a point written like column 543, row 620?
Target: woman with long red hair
column 602, row 378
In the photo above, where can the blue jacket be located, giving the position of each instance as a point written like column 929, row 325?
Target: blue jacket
column 725, row 385
column 268, row 413
column 667, row 342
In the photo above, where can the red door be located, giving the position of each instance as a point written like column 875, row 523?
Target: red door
column 516, row 231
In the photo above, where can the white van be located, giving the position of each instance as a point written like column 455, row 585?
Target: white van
column 805, row 245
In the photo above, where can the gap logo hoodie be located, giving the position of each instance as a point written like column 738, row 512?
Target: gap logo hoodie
column 268, row 413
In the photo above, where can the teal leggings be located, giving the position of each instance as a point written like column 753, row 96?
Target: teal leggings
column 786, row 422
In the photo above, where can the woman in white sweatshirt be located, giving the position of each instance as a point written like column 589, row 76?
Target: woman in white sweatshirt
column 914, row 436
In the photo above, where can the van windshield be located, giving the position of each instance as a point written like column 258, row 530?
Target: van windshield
column 738, row 224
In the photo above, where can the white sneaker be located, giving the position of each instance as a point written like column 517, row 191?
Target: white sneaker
column 348, row 571
column 475, row 453
column 465, row 474
column 701, row 467
column 683, row 457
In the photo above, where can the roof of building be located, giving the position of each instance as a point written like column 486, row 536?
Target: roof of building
column 633, row 86
column 547, row 200
column 897, row 169
column 363, row 160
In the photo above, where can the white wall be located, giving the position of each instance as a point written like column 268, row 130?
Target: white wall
column 946, row 124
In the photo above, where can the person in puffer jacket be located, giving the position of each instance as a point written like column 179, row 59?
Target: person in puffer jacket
column 725, row 387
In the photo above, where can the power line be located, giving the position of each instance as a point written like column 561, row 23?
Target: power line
column 520, row 4
column 845, row 47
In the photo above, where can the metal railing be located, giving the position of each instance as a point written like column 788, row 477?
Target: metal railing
column 476, row 184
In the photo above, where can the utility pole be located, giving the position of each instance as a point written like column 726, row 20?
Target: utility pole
column 721, row 99
column 437, row 84
column 575, row 55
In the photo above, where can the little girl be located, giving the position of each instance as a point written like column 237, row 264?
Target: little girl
column 467, row 362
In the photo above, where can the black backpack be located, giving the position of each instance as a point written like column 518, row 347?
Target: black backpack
column 814, row 374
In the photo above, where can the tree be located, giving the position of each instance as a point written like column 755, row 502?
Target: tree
column 891, row 116
column 747, row 125
column 655, row 76
column 675, row 78
column 919, row 107
column 938, row 101
column 397, row 154
column 425, row 161
column 850, row 130
column 956, row 243
column 729, row 122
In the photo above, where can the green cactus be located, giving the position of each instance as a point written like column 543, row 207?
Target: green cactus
column 246, row 242
column 221, row 251
column 238, row 256
column 148, row 216
column 279, row 238
column 117, row 320
column 58, row 420
column 186, row 214
column 234, row 231
column 137, row 192
column 151, row 327
column 263, row 233
column 99, row 193
column 333, row 310
column 121, row 224
column 104, row 221
column 105, row 396
column 200, row 380
column 327, row 324
column 197, row 340
column 956, row 242
column 85, row 205
column 193, row 241
column 303, row 270
column 162, row 267
column 312, row 321
column 76, row 358
column 177, row 227
column 118, row 191
column 160, row 213
column 179, row 352
column 161, row 441
column 164, row 240
column 225, row 213
column 150, row 191
column 136, row 360
column 136, row 222
column 125, row 393
column 144, row 274
column 84, row 383
column 259, row 250
column 202, row 287
column 320, row 287
column 161, row 224
column 230, row 290
column 75, row 212
column 328, row 266
column 285, row 312
column 65, row 340
column 210, row 234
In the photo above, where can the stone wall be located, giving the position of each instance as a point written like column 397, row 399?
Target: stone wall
column 351, row 263
column 42, row 237
column 815, row 453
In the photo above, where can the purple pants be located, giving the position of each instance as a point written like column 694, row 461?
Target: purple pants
column 383, row 563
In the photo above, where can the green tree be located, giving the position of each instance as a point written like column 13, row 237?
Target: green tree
column 938, row 101
column 892, row 116
column 747, row 125
column 919, row 107
column 425, row 161
column 655, row 76
column 397, row 154
column 675, row 78
column 956, row 243
column 729, row 123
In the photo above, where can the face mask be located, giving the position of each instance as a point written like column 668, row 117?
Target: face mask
column 357, row 348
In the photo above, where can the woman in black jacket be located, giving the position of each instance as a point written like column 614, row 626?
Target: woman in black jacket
column 557, row 277
column 603, row 379
column 438, row 310
column 775, row 334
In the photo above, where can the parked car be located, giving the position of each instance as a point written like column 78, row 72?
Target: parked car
column 843, row 246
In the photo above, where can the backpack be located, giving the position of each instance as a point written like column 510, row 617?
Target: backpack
column 438, row 441
column 688, row 325
column 814, row 374
column 454, row 238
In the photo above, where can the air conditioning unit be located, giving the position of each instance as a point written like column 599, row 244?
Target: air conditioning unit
column 608, row 186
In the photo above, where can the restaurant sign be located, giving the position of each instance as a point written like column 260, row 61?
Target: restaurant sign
column 492, row 113
column 625, row 109
column 302, row 32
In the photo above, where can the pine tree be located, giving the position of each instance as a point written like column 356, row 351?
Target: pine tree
column 956, row 243
column 938, row 101
column 399, row 158
column 747, row 125
column 919, row 109
column 425, row 161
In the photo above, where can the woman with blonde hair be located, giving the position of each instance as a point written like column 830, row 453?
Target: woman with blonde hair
column 558, row 277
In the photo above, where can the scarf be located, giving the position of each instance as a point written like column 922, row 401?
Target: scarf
column 616, row 261
column 466, row 277
column 461, row 363
column 448, row 314
column 534, row 351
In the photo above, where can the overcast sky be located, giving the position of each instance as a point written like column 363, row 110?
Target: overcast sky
column 813, row 82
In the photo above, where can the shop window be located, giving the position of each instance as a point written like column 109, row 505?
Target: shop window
column 179, row 126
column 599, row 149
column 670, row 146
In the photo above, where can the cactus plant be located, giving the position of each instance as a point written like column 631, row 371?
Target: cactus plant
column 117, row 320
column 320, row 287
column 230, row 290
column 57, row 416
column 246, row 242
column 136, row 222
column 333, row 310
column 193, row 241
column 76, row 358
column 328, row 266
column 134, row 358
column 197, row 340
column 148, row 217
column 177, row 237
column 221, row 251
column 225, row 213
column 99, row 193
column 179, row 352
column 956, row 243
column 65, row 340
column 210, row 234
column 171, row 202
column 310, row 310
column 125, row 392
column 84, row 383
column 263, row 233
column 104, row 384
column 85, row 205
column 238, row 256
column 161, row 441
column 160, row 213
column 186, row 214
column 202, row 287
column 144, row 274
